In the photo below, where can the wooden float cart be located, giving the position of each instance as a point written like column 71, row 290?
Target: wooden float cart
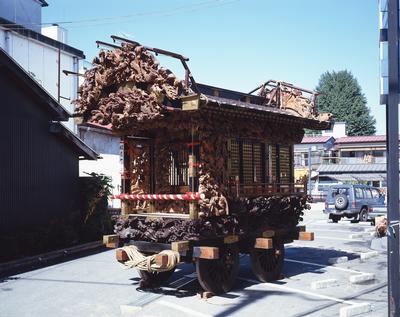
column 196, row 154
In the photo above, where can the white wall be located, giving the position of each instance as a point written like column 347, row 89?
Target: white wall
column 109, row 165
column 41, row 62
column 338, row 130
column 107, row 145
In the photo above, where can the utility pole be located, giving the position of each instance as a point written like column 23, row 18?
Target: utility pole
column 392, row 143
column 309, row 171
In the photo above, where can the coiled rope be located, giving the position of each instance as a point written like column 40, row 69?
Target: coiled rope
column 148, row 263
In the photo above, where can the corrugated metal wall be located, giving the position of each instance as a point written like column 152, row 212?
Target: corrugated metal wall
column 38, row 171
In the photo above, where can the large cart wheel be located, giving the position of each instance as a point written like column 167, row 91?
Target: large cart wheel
column 267, row 264
column 218, row 276
column 152, row 279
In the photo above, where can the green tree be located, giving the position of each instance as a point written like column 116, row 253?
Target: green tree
column 342, row 96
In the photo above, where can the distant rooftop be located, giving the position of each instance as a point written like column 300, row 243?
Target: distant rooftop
column 347, row 139
column 362, row 139
column 315, row 139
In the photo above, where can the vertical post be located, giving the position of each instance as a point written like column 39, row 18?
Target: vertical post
column 193, row 205
column 59, row 77
column 278, row 166
column 392, row 132
column 125, row 184
column 192, row 172
column 187, row 78
column 193, row 209
column 309, row 171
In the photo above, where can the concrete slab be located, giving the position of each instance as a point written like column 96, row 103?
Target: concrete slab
column 340, row 259
column 368, row 255
column 360, row 278
column 324, row 283
column 355, row 310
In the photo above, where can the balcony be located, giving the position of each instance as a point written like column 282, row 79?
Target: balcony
column 353, row 160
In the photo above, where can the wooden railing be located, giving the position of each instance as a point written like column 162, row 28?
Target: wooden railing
column 252, row 190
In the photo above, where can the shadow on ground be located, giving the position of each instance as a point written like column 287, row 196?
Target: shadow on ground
column 42, row 263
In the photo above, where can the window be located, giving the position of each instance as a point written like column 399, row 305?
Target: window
column 375, row 193
column 255, row 162
column 284, row 163
column 271, row 154
column 337, row 191
column 358, row 193
column 234, row 158
column 367, row 193
column 178, row 171
column 247, row 162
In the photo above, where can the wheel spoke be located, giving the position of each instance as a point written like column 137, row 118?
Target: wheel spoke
column 267, row 264
column 218, row 275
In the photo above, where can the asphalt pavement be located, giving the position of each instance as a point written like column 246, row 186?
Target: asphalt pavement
column 312, row 284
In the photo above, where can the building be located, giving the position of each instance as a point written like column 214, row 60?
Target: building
column 340, row 158
column 357, row 159
column 103, row 141
column 40, row 156
column 43, row 53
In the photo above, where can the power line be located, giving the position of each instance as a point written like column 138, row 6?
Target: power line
column 118, row 19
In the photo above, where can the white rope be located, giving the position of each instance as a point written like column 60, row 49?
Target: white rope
column 148, row 263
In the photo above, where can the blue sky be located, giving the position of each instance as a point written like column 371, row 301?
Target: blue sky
column 239, row 44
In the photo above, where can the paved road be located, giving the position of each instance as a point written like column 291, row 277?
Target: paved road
column 97, row 285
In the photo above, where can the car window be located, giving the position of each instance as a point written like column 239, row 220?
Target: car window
column 358, row 192
column 337, row 191
column 367, row 193
column 375, row 193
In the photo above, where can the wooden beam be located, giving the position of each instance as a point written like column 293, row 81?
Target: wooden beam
column 161, row 260
column 193, row 210
column 268, row 234
column 263, row 243
column 192, row 166
column 231, row 239
column 121, row 255
column 180, row 246
column 111, row 241
column 191, row 102
column 209, row 253
column 301, row 228
column 306, row 236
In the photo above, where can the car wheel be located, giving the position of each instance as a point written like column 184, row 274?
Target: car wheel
column 334, row 218
column 363, row 215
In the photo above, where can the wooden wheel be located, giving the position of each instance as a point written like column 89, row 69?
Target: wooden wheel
column 151, row 279
column 218, row 276
column 267, row 264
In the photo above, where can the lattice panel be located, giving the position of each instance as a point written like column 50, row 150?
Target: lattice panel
column 234, row 158
column 285, row 167
column 178, row 171
column 272, row 162
column 247, row 162
column 257, row 178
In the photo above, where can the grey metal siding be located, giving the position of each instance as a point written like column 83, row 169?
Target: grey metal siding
column 38, row 170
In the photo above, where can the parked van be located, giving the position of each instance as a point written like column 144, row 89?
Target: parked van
column 354, row 201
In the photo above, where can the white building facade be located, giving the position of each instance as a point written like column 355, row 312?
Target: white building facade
column 43, row 57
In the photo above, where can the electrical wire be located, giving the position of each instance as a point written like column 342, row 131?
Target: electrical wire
column 118, row 19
